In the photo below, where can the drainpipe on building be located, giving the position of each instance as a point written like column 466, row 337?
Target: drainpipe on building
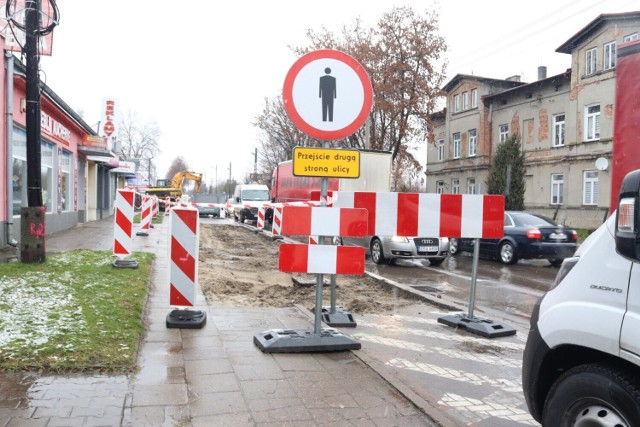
column 10, row 240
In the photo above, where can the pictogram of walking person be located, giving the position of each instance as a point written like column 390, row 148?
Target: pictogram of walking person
column 328, row 93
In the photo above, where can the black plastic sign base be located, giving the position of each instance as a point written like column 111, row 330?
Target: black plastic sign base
column 300, row 341
column 341, row 317
column 186, row 319
column 483, row 327
column 142, row 233
column 125, row 263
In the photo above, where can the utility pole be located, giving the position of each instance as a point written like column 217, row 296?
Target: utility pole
column 255, row 162
column 229, row 181
column 32, row 223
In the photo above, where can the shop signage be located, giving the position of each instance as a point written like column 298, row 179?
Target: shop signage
column 94, row 141
column 109, row 127
column 54, row 128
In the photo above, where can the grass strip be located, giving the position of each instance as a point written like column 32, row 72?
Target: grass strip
column 72, row 313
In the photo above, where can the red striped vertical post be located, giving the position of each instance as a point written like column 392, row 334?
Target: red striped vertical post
column 183, row 267
column 145, row 216
column 123, row 228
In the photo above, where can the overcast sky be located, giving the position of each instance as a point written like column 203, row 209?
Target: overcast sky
column 202, row 70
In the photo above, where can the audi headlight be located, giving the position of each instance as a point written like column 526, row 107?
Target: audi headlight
column 399, row 239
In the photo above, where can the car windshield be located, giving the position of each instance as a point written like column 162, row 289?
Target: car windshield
column 529, row 220
column 255, row 195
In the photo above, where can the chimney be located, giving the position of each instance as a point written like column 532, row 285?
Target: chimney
column 542, row 72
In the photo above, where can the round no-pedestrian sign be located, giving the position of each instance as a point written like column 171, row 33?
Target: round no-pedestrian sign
column 327, row 94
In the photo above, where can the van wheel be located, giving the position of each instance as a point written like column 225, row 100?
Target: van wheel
column 595, row 395
column 241, row 218
column 508, row 253
column 377, row 255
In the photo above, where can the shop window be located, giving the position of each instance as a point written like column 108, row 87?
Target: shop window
column 65, row 181
column 46, row 170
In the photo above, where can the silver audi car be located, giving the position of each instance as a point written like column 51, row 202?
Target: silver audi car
column 388, row 249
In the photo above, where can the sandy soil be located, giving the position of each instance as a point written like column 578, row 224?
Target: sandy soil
column 239, row 268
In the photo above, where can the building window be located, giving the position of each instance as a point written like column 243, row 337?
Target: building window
column 630, row 37
column 455, row 186
column 465, row 100
column 19, row 177
column 473, row 143
column 590, row 62
column 609, row 55
column 590, row 188
column 456, row 103
column 592, row 122
column 557, row 186
column 456, row 145
column 471, row 186
column 440, row 150
column 46, row 170
column 558, row 130
column 439, row 187
column 504, row 133
column 474, row 98
column 65, row 180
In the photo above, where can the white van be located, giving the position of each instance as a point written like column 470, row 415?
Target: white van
column 247, row 198
column 581, row 364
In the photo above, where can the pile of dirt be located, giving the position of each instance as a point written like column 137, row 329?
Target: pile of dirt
column 239, row 268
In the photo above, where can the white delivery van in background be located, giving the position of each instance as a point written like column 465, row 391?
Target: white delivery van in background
column 247, row 199
column 581, row 364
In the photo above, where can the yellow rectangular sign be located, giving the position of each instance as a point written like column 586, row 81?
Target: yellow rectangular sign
column 326, row 162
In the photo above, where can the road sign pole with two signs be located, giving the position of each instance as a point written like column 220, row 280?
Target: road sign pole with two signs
column 328, row 95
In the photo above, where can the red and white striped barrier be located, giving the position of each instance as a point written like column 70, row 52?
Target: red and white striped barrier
column 183, row 268
column 321, row 259
column 123, row 224
column 277, row 221
column 261, row 215
column 425, row 214
column 155, row 207
column 145, row 216
column 324, row 221
column 167, row 206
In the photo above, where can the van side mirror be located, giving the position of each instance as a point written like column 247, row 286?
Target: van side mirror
column 627, row 233
column 238, row 199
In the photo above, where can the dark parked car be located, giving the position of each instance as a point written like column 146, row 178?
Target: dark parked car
column 526, row 236
column 208, row 211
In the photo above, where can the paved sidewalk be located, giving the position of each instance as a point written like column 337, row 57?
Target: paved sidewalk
column 214, row 376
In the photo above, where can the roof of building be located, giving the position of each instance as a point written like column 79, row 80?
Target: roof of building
column 553, row 80
column 459, row 77
column 595, row 26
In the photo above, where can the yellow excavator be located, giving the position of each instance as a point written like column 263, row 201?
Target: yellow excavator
column 172, row 188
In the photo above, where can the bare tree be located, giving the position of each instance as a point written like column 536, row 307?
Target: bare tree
column 402, row 56
column 140, row 142
column 279, row 135
column 179, row 164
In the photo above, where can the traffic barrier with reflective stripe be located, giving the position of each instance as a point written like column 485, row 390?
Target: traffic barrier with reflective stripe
column 123, row 222
column 425, row 214
column 324, row 221
column 145, row 215
column 183, row 268
column 321, row 259
column 277, row 220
